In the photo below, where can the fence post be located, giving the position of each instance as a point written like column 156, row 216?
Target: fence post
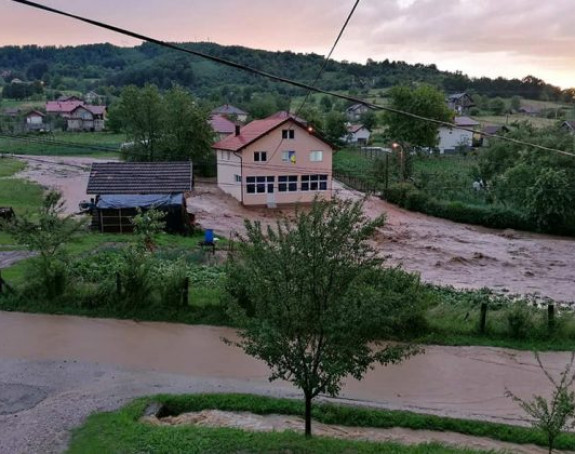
column 1, row 282
column 483, row 318
column 118, row 283
column 386, row 173
column 550, row 317
column 186, row 292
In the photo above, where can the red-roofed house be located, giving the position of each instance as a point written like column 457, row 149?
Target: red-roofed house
column 222, row 126
column 274, row 162
column 79, row 117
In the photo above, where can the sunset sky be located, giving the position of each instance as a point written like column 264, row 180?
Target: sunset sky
column 511, row 38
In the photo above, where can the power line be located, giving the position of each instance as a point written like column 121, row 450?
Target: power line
column 282, row 79
column 328, row 57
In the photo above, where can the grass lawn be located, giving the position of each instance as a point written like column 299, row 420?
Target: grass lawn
column 120, row 431
column 9, row 167
column 22, row 195
column 104, row 144
column 502, row 120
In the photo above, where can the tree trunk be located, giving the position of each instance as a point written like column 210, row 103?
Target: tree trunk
column 307, row 415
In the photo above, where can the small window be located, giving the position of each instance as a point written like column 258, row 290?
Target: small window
column 288, row 156
column 282, row 186
column 323, row 182
column 261, row 184
column 238, row 178
column 271, row 181
column 228, row 155
column 260, row 156
column 316, row 156
column 288, row 134
column 292, row 179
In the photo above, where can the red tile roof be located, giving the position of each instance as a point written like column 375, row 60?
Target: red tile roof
column 285, row 114
column 62, row 106
column 228, row 109
column 249, row 133
column 222, row 125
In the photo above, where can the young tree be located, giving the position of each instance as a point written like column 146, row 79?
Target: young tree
column 369, row 120
column 47, row 232
column 425, row 101
column 308, row 299
column 334, row 127
column 554, row 415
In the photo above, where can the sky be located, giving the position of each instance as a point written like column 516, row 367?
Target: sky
column 508, row 38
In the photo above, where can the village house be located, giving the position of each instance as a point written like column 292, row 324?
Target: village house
column 357, row 134
column 231, row 112
column 460, row 103
column 274, row 161
column 354, row 112
column 568, row 126
column 16, row 121
column 221, row 126
column 492, row 130
column 79, row 116
column 93, row 98
column 453, row 139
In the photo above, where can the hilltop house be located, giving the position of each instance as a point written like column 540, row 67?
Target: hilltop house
column 357, row 134
column 354, row 112
column 453, row 139
column 274, row 161
column 229, row 111
column 17, row 121
column 460, row 103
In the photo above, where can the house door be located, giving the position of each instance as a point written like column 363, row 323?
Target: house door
column 271, row 200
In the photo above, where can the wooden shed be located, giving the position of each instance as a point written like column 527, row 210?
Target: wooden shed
column 121, row 188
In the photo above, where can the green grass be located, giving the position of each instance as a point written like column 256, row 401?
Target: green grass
column 120, row 431
column 22, row 195
column 106, row 145
column 9, row 167
column 537, row 122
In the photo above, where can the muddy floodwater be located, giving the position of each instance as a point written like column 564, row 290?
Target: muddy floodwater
column 457, row 381
column 443, row 252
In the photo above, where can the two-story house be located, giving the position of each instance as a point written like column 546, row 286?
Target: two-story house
column 274, row 161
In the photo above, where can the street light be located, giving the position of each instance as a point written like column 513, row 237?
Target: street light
column 399, row 147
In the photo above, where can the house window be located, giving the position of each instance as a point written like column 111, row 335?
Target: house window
column 287, row 183
column 316, row 156
column 238, row 178
column 251, row 186
column 314, row 182
column 260, row 156
column 288, row 134
column 228, row 155
column 288, row 156
column 259, row 185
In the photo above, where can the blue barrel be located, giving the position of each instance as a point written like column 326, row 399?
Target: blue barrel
column 209, row 238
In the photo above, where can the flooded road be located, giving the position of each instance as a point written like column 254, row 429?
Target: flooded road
column 56, row 370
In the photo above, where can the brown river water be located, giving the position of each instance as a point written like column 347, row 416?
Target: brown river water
column 456, row 381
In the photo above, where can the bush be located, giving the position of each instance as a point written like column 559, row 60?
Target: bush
column 520, row 321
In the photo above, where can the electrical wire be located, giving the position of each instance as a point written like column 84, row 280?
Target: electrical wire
column 283, row 79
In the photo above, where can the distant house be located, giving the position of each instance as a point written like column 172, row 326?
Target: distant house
column 568, row 126
column 283, row 114
column 453, row 139
column 229, row 111
column 222, row 127
column 357, row 134
column 274, row 161
column 79, row 116
column 93, row 98
column 69, row 98
column 532, row 111
column 460, row 103
column 354, row 112
column 35, row 121
column 120, row 188
column 492, row 130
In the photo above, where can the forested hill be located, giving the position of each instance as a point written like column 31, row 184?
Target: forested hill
column 107, row 68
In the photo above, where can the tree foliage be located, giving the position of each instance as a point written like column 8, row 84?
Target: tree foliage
column 552, row 416
column 425, row 101
column 310, row 298
column 169, row 127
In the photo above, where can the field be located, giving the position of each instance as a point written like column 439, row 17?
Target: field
column 94, row 144
column 492, row 120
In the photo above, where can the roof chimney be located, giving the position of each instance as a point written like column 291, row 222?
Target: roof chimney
column 237, row 130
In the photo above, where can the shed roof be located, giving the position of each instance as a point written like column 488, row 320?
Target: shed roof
column 222, row 125
column 465, row 121
column 140, row 178
column 228, row 109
